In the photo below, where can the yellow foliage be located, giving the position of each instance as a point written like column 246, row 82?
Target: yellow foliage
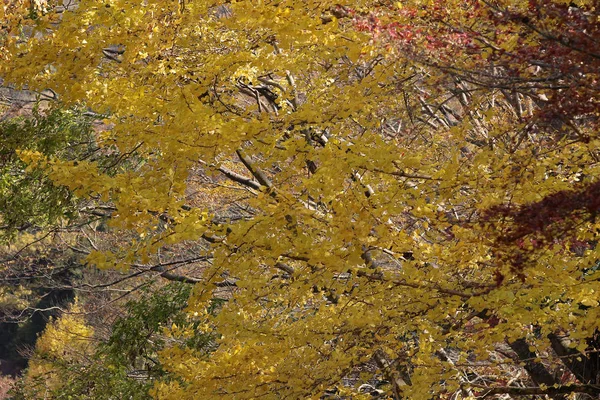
column 68, row 337
column 66, row 340
column 15, row 297
column 389, row 205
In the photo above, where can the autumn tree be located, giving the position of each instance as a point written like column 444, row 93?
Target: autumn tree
column 398, row 193
column 71, row 360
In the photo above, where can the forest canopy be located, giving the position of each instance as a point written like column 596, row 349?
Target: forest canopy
column 295, row 199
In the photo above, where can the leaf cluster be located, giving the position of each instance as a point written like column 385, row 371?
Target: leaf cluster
column 28, row 197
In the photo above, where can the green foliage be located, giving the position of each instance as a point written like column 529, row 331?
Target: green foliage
column 136, row 337
column 28, row 197
column 95, row 380
column 124, row 367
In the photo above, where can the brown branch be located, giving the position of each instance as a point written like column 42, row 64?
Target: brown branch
column 212, row 239
column 379, row 277
column 404, row 174
column 242, row 180
column 285, row 268
column 538, row 373
column 532, row 391
column 257, row 173
column 584, row 368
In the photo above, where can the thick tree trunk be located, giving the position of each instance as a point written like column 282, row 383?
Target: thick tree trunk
column 585, row 368
column 538, row 373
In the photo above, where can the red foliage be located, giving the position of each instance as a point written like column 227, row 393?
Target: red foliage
column 552, row 217
column 556, row 54
column 548, row 51
column 520, row 230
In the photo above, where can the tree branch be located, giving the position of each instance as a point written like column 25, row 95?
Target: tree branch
column 242, row 180
column 257, row 173
column 585, row 369
column 532, row 391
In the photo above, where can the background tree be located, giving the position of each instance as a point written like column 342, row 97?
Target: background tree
column 46, row 234
column 33, row 208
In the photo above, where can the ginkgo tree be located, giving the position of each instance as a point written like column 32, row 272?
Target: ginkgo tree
column 406, row 191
